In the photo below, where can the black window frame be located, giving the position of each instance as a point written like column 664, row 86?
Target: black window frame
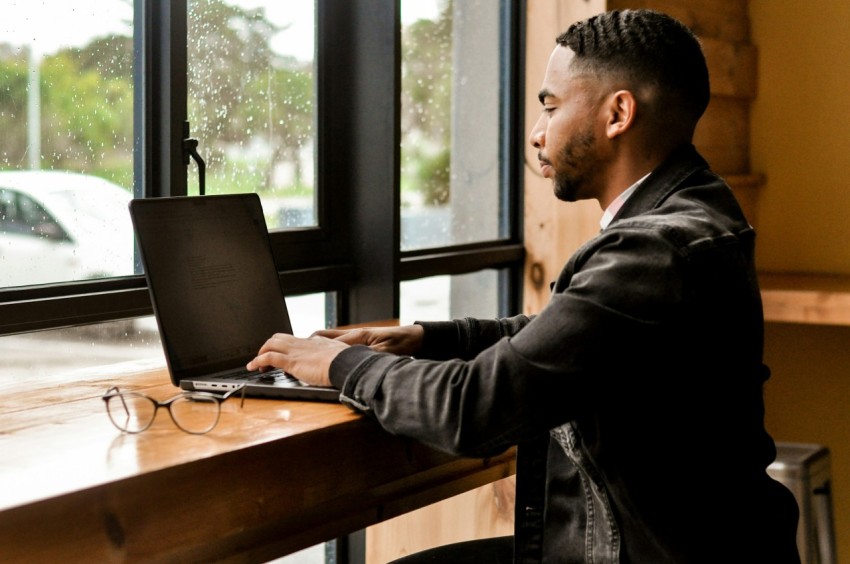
column 354, row 252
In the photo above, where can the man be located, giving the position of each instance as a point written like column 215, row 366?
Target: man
column 635, row 396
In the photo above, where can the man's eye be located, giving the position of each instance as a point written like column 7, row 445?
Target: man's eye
column 548, row 109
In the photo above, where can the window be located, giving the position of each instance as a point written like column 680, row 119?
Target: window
column 251, row 102
column 450, row 124
column 66, row 155
column 454, row 191
column 311, row 105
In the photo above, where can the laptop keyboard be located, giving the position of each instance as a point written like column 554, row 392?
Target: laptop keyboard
column 276, row 377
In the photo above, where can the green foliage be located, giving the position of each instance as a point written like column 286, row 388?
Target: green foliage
column 87, row 117
column 86, row 109
column 426, row 107
column 427, row 78
column 245, row 175
column 434, row 176
column 243, row 93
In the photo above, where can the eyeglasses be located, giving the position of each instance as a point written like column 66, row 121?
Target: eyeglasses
column 193, row 412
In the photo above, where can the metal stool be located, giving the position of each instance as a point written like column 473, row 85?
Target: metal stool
column 804, row 469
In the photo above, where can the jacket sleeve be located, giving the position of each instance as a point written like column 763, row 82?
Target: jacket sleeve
column 499, row 387
column 466, row 338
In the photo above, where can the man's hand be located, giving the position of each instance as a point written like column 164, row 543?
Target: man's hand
column 405, row 340
column 309, row 360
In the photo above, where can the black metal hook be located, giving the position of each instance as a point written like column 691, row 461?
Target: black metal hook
column 190, row 149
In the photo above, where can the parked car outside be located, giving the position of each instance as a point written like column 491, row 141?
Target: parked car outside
column 58, row 226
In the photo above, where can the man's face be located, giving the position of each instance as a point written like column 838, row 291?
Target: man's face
column 566, row 135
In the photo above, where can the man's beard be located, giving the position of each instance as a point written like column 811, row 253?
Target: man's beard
column 577, row 161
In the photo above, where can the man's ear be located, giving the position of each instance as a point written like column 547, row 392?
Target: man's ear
column 622, row 107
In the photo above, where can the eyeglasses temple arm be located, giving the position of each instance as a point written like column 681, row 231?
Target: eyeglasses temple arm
column 233, row 391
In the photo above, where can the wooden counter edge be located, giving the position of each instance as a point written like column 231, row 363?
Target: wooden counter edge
column 251, row 504
column 818, row 299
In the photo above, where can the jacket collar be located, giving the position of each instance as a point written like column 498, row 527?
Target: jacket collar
column 663, row 181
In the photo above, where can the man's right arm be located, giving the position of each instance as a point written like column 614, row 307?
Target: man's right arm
column 466, row 338
column 403, row 341
column 433, row 340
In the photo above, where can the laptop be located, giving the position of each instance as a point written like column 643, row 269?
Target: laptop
column 216, row 293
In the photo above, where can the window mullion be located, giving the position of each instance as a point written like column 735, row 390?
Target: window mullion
column 359, row 58
column 163, row 98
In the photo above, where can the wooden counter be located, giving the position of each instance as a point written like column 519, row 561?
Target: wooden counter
column 821, row 299
column 272, row 478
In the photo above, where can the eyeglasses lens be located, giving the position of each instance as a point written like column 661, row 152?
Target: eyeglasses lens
column 131, row 412
column 195, row 414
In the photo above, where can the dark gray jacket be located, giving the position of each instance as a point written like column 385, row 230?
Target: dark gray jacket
column 635, row 396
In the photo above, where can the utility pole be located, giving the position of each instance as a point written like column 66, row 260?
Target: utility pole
column 34, row 109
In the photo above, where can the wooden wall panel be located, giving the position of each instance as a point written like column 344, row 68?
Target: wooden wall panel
column 722, row 135
column 481, row 513
column 721, row 19
column 731, row 68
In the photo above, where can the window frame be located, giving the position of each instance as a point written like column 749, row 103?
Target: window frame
column 354, row 251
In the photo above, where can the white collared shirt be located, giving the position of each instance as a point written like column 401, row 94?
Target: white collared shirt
column 614, row 207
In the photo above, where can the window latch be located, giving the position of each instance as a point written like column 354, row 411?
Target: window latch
column 190, row 150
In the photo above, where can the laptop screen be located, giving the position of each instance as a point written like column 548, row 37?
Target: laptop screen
column 212, row 279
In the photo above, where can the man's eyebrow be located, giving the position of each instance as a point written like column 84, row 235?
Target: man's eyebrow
column 544, row 93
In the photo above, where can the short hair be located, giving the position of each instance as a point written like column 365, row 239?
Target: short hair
column 652, row 52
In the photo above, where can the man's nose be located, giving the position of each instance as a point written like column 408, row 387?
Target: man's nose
column 537, row 137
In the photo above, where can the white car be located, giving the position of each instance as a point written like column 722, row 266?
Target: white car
column 58, row 226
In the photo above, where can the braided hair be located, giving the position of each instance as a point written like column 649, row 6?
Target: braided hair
column 649, row 53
